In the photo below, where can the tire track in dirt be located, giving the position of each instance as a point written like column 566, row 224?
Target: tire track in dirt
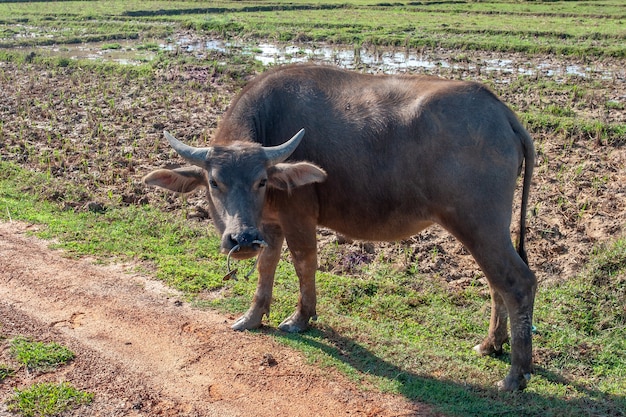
column 144, row 352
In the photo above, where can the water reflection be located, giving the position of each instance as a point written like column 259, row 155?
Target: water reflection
column 370, row 59
column 386, row 60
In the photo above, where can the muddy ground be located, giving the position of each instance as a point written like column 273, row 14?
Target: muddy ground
column 143, row 351
column 103, row 131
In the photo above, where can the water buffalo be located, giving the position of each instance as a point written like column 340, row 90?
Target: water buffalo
column 383, row 158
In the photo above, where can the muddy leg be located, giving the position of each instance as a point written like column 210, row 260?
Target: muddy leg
column 498, row 333
column 514, row 285
column 520, row 302
column 268, row 261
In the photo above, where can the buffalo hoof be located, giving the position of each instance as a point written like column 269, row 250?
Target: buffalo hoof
column 482, row 352
column 486, row 351
column 296, row 323
column 248, row 322
column 513, row 383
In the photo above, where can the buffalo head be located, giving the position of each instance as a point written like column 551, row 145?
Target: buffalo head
column 238, row 177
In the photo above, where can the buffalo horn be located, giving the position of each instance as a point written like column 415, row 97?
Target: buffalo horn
column 195, row 156
column 277, row 154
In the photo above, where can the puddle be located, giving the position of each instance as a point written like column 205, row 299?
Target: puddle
column 384, row 60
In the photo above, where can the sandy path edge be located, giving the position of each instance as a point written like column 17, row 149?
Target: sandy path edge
column 144, row 352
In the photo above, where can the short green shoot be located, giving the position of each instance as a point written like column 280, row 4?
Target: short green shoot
column 111, row 46
column 38, row 355
column 46, row 399
column 6, row 371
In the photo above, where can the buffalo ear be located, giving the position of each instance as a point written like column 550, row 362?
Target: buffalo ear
column 180, row 180
column 287, row 176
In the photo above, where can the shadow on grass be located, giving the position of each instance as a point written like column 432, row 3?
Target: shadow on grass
column 451, row 397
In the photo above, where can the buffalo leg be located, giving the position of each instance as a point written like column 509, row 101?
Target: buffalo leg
column 498, row 333
column 513, row 282
column 520, row 306
column 303, row 247
column 268, row 261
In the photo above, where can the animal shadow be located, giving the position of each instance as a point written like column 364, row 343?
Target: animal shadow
column 453, row 397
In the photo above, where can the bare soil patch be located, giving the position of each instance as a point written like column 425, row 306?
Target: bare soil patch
column 144, row 352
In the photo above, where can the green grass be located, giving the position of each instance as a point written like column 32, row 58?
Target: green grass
column 423, row 26
column 6, row 371
column 559, row 121
column 38, row 355
column 413, row 335
column 389, row 330
column 184, row 255
column 47, row 399
column 41, row 399
column 111, row 46
column 533, row 27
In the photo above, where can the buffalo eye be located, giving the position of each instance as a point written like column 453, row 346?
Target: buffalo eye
column 213, row 183
column 262, row 183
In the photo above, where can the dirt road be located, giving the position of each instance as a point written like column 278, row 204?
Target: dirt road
column 144, row 352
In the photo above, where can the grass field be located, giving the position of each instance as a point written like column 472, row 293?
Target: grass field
column 77, row 135
column 593, row 28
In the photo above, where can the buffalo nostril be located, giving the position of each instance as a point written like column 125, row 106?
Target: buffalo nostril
column 246, row 240
column 232, row 240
